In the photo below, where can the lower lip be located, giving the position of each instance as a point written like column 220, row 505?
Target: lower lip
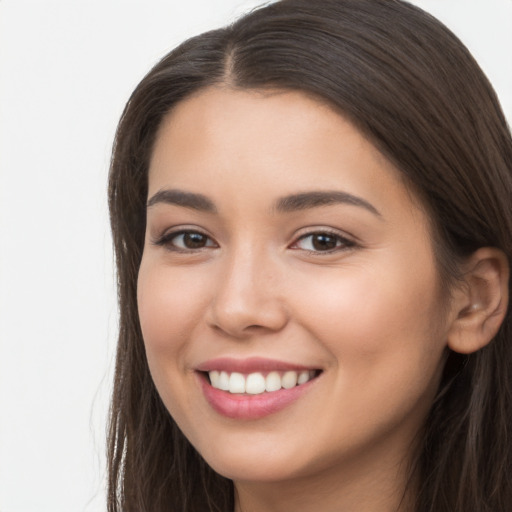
column 251, row 407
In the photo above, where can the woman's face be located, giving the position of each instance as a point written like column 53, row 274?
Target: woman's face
column 286, row 261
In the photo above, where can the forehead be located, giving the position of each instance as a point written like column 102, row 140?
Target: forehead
column 274, row 143
column 233, row 119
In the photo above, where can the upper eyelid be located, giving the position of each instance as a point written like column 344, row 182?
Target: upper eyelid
column 310, row 231
column 179, row 230
column 170, row 233
column 348, row 242
column 342, row 239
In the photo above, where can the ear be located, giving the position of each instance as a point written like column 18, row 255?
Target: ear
column 480, row 302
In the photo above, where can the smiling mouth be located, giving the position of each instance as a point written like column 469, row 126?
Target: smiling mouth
column 258, row 383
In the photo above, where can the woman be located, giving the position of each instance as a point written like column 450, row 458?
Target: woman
column 311, row 215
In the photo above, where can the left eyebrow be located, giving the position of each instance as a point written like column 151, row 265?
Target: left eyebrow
column 316, row 199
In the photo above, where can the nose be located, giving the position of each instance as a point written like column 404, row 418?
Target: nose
column 249, row 299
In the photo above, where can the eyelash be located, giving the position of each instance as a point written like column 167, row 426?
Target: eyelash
column 166, row 240
column 342, row 243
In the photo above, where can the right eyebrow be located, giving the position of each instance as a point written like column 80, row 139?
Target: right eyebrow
column 181, row 198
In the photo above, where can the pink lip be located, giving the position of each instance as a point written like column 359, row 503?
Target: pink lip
column 250, row 365
column 250, row 407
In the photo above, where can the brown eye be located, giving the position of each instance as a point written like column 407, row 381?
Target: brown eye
column 323, row 242
column 193, row 240
column 186, row 241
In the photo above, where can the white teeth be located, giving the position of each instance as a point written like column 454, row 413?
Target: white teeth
column 256, row 383
column 236, row 383
column 289, row 380
column 223, row 381
column 303, row 377
column 273, row 382
column 214, row 378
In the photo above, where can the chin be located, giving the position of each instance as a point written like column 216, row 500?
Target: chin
column 257, row 460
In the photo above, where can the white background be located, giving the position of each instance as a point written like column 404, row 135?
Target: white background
column 66, row 69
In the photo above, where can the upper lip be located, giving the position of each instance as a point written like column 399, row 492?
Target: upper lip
column 249, row 365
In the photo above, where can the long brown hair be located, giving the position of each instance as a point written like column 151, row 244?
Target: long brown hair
column 415, row 91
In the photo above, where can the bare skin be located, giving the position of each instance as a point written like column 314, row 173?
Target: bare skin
column 243, row 260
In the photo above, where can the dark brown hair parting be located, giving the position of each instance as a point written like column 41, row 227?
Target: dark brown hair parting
column 414, row 90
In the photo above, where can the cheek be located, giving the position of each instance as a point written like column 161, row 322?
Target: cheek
column 379, row 320
column 170, row 304
column 386, row 348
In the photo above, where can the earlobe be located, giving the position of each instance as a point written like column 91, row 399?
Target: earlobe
column 480, row 302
